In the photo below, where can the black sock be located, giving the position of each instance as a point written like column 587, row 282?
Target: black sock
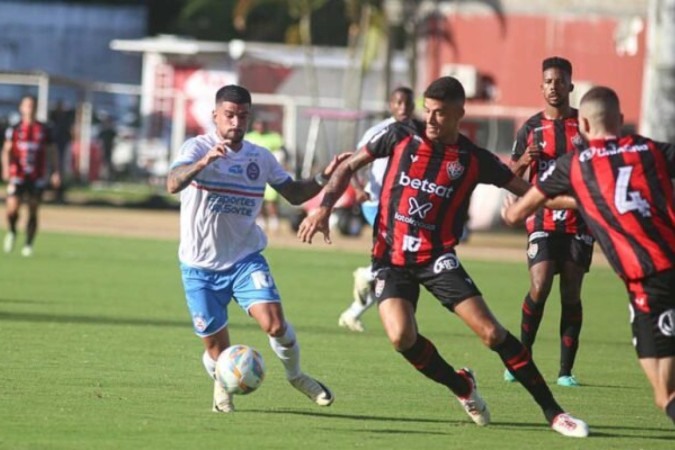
column 670, row 410
column 570, row 328
column 424, row 356
column 12, row 219
column 518, row 361
column 532, row 312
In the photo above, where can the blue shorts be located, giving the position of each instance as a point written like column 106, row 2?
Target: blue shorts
column 209, row 292
column 369, row 210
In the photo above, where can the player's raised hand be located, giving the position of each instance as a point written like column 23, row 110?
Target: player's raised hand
column 532, row 153
column 217, row 151
column 334, row 163
column 316, row 221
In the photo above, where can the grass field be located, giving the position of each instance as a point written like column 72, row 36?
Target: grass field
column 97, row 352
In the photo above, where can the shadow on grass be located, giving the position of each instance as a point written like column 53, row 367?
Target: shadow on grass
column 329, row 415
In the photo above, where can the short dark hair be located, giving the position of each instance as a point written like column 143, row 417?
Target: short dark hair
column 234, row 94
column 556, row 62
column 604, row 96
column 446, row 89
column 403, row 90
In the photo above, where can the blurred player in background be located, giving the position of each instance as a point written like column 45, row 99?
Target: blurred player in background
column 401, row 107
column 622, row 185
column 222, row 178
column 426, row 191
column 28, row 154
column 558, row 239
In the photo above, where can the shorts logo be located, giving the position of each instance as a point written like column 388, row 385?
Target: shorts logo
column 199, row 322
column 585, row 238
column 379, row 287
column 667, row 323
column 253, row 171
column 416, row 209
column 449, row 261
column 532, row 250
column 455, row 169
column 559, row 215
column 262, row 280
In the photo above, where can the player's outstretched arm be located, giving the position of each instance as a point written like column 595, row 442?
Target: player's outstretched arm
column 299, row 191
column 521, row 209
column 336, row 186
column 7, row 146
column 180, row 176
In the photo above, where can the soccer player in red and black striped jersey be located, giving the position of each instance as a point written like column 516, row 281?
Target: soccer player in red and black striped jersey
column 423, row 206
column 558, row 240
column 622, row 185
column 26, row 152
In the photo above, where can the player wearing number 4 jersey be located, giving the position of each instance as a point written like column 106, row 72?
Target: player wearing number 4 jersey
column 425, row 197
column 622, row 185
column 558, row 240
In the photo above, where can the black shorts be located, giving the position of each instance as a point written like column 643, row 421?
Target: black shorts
column 652, row 314
column 31, row 188
column 444, row 278
column 560, row 248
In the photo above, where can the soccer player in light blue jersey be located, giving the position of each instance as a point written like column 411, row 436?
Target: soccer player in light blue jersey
column 221, row 179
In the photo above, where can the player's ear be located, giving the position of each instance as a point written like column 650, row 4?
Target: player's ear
column 584, row 126
column 213, row 115
column 571, row 86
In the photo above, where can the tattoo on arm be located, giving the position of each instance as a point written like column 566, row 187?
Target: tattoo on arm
column 180, row 177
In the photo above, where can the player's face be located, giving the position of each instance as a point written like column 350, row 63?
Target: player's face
column 556, row 87
column 401, row 106
column 231, row 120
column 442, row 119
column 27, row 107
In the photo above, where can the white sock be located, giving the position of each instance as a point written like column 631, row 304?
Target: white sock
column 287, row 349
column 357, row 308
column 209, row 364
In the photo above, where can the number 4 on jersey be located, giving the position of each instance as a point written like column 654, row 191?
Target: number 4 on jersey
column 629, row 201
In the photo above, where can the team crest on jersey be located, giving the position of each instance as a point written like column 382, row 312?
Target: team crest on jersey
column 577, row 140
column 253, row 171
column 455, row 169
column 449, row 261
column 532, row 250
column 199, row 322
column 379, row 287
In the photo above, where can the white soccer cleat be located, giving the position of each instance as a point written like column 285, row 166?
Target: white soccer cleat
column 313, row 389
column 347, row 320
column 473, row 404
column 27, row 251
column 569, row 426
column 222, row 400
column 8, row 244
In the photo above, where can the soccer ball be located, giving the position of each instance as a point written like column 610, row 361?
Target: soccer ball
column 240, row 369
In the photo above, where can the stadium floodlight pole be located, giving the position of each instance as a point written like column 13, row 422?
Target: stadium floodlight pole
column 658, row 90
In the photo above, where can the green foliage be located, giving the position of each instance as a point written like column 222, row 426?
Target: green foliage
column 98, row 352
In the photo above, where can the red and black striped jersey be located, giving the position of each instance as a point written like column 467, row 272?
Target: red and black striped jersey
column 624, row 191
column 554, row 137
column 426, row 191
column 28, row 153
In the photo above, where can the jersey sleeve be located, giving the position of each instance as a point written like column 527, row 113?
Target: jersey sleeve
column 556, row 179
column 382, row 143
column 189, row 153
column 520, row 144
column 492, row 170
column 276, row 174
column 668, row 151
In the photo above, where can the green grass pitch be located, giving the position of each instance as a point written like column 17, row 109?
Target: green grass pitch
column 97, row 352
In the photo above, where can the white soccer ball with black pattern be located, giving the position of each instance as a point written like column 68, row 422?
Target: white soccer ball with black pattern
column 240, row 369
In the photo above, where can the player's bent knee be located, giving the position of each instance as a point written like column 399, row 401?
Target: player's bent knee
column 402, row 342
column 492, row 335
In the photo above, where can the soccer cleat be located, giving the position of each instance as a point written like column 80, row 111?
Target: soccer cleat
column 473, row 404
column 222, row 400
column 508, row 376
column 569, row 426
column 8, row 244
column 313, row 389
column 27, row 251
column 350, row 322
column 568, row 381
